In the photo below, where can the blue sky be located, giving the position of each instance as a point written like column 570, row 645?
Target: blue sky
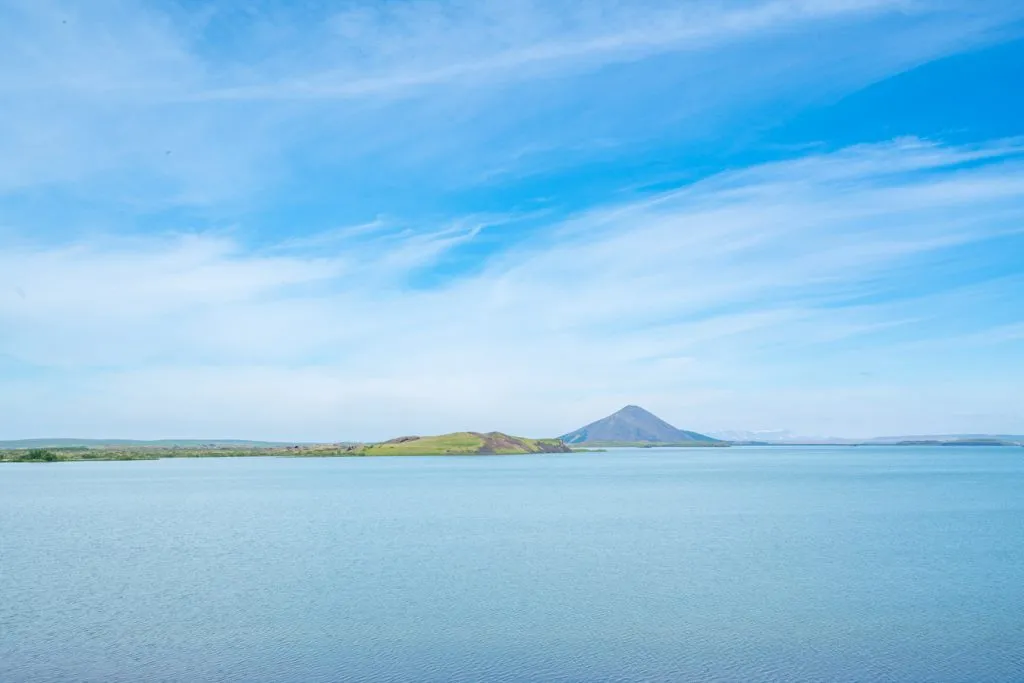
column 349, row 220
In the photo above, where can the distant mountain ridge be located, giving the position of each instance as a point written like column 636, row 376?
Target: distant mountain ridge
column 633, row 424
column 946, row 438
column 784, row 437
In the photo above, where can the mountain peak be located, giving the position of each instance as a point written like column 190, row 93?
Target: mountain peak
column 632, row 424
column 632, row 410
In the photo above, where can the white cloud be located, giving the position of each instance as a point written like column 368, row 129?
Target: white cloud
column 119, row 281
column 726, row 303
column 697, row 303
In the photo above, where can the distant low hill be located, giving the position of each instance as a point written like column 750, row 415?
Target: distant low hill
column 956, row 439
column 787, row 438
column 635, row 426
column 461, row 443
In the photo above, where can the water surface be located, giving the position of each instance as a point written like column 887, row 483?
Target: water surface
column 746, row 564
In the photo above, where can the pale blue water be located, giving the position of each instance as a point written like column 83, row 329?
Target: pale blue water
column 754, row 564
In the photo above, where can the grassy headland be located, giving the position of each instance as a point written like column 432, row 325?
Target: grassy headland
column 462, row 443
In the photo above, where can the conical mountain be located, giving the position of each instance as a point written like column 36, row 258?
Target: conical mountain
column 633, row 424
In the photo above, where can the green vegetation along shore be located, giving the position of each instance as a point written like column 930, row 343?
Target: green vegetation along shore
column 459, row 443
column 90, row 453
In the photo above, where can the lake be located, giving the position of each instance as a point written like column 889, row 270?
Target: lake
column 743, row 564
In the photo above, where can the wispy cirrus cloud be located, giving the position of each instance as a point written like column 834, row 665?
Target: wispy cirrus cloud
column 409, row 46
column 127, row 103
column 171, row 261
column 753, row 293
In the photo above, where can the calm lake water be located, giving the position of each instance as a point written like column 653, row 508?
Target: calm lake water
column 747, row 564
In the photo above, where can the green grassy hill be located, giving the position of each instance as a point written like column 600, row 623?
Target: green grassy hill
column 462, row 443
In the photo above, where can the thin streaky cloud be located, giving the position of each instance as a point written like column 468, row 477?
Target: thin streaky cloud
column 311, row 222
column 645, row 299
column 679, row 30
